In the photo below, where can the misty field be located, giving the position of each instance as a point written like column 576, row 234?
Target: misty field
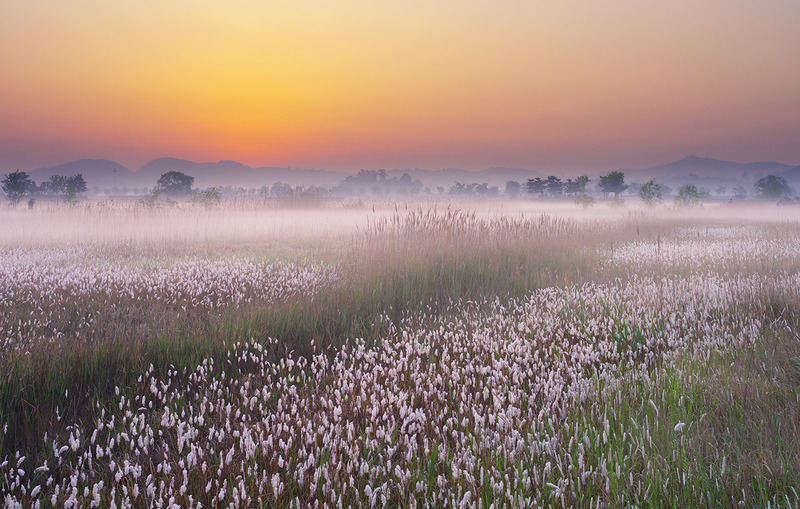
column 401, row 354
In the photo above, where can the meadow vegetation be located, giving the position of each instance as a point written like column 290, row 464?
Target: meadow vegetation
column 399, row 354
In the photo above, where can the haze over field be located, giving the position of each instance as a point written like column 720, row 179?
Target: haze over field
column 104, row 174
column 473, row 254
column 574, row 86
column 387, row 353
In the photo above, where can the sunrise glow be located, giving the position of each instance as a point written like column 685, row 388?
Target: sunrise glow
column 343, row 85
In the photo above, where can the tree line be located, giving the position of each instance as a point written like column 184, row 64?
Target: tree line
column 771, row 187
column 174, row 184
column 18, row 184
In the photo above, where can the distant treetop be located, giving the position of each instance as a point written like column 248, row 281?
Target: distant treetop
column 614, row 182
column 773, row 188
column 175, row 183
column 16, row 185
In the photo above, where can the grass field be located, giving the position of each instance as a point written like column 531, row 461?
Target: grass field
column 401, row 354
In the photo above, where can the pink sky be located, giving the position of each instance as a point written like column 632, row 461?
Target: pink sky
column 576, row 85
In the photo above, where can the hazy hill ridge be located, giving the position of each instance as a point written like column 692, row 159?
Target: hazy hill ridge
column 232, row 173
column 100, row 173
column 709, row 168
column 96, row 172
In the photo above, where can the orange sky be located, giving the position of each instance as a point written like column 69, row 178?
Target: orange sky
column 568, row 85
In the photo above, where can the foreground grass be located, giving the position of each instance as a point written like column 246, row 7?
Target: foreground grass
column 684, row 435
column 718, row 432
column 574, row 396
column 419, row 261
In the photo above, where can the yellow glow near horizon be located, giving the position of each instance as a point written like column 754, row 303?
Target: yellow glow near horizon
column 339, row 84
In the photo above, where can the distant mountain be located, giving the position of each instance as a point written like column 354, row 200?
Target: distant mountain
column 232, row 173
column 704, row 167
column 96, row 173
column 701, row 171
column 711, row 174
column 158, row 167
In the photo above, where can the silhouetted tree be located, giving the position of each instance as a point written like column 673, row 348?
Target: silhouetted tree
column 582, row 181
column 365, row 177
column 69, row 188
column 577, row 186
column 473, row 189
column 175, row 183
column 772, row 188
column 55, row 186
column 280, row 189
column 16, row 185
column 614, row 182
column 378, row 182
column 689, row 195
column 77, row 183
column 536, row 186
column 571, row 187
column 650, row 193
column 554, row 185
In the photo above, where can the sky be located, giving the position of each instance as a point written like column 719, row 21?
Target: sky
column 571, row 85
